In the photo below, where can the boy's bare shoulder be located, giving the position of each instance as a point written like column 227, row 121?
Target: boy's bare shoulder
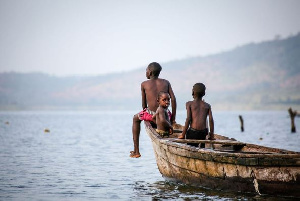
column 160, row 109
column 163, row 79
column 150, row 82
column 207, row 105
column 189, row 103
column 145, row 82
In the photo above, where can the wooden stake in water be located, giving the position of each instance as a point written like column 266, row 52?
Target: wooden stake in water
column 242, row 123
column 292, row 115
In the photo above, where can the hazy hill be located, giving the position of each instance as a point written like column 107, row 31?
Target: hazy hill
column 255, row 76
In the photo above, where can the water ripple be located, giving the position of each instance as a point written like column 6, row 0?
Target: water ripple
column 86, row 156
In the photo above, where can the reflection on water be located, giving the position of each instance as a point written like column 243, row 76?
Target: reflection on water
column 164, row 190
column 85, row 156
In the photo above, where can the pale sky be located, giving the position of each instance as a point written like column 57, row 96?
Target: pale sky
column 92, row 37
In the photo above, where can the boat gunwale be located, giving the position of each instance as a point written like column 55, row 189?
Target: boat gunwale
column 189, row 165
column 285, row 154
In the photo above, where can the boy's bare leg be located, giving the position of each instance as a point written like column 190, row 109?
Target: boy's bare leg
column 136, row 129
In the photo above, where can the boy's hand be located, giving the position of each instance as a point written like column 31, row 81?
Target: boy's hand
column 211, row 136
column 153, row 118
column 181, row 136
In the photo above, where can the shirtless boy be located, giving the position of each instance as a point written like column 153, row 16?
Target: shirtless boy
column 164, row 127
column 197, row 112
column 150, row 89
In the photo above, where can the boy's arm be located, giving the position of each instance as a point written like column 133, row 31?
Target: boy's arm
column 144, row 100
column 187, row 121
column 211, row 124
column 162, row 118
column 173, row 103
column 154, row 117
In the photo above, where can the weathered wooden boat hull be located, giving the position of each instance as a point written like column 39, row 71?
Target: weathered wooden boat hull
column 253, row 168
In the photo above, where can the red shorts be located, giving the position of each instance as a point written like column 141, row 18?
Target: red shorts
column 147, row 115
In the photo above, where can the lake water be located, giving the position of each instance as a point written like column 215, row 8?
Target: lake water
column 85, row 156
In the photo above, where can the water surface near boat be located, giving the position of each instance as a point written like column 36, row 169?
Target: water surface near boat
column 85, row 155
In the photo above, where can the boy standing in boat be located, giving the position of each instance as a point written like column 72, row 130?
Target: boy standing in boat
column 150, row 89
column 197, row 112
column 164, row 126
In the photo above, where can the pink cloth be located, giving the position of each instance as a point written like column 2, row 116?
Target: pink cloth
column 147, row 115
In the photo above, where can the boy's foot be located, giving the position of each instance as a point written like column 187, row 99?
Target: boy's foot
column 134, row 155
column 181, row 137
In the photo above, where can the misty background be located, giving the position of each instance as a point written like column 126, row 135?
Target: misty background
column 93, row 54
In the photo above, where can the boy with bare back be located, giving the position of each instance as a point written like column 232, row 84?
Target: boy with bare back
column 150, row 89
column 161, row 116
column 197, row 112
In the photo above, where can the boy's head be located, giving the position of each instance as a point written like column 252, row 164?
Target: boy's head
column 154, row 68
column 199, row 90
column 163, row 99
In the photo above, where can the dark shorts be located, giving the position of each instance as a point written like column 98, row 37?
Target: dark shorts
column 197, row 135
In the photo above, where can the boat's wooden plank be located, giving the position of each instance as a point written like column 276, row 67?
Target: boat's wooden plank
column 223, row 142
column 275, row 170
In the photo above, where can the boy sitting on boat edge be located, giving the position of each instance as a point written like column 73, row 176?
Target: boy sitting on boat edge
column 162, row 115
column 150, row 89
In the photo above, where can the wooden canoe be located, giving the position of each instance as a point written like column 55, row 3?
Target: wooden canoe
column 226, row 164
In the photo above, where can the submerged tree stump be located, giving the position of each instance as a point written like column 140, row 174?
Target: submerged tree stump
column 292, row 115
column 242, row 123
